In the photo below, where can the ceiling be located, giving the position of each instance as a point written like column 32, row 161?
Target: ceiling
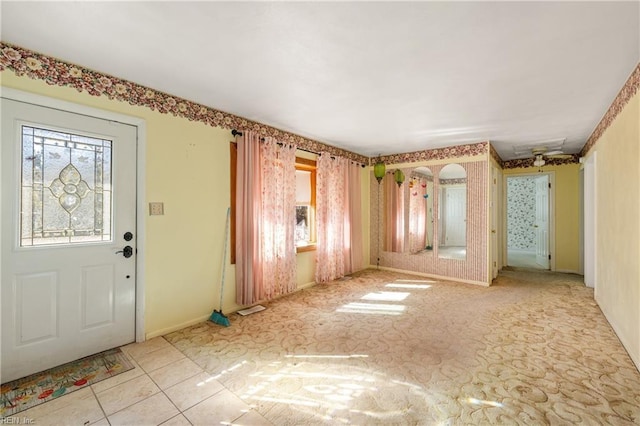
column 370, row 77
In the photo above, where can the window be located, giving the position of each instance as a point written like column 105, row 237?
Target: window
column 66, row 188
column 305, row 235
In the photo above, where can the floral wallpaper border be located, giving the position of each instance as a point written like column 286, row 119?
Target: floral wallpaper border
column 528, row 162
column 628, row 91
column 469, row 150
column 494, row 154
column 24, row 62
column 457, row 181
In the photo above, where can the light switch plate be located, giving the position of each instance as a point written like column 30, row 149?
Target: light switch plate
column 156, row 209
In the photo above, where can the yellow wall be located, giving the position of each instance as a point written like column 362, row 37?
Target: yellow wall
column 617, row 283
column 187, row 168
column 567, row 214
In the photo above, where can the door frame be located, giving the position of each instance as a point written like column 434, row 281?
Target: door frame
column 140, row 124
column 552, row 218
column 590, row 221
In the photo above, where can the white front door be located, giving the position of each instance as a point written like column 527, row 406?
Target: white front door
column 541, row 225
column 68, row 219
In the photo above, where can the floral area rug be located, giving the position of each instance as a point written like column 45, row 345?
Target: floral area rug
column 25, row 393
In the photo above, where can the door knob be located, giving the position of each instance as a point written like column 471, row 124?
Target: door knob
column 127, row 251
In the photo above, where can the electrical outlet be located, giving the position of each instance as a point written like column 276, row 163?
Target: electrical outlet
column 156, row 209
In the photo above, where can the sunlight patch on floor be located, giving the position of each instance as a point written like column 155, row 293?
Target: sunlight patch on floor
column 476, row 401
column 411, row 286
column 372, row 308
column 328, row 356
column 387, row 296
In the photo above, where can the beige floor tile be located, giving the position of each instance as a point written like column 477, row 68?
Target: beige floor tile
column 116, row 380
column 252, row 418
column 151, row 411
column 178, row 420
column 222, row 407
column 101, row 422
column 79, row 407
column 175, row 372
column 138, row 349
column 125, row 394
column 188, row 393
column 160, row 358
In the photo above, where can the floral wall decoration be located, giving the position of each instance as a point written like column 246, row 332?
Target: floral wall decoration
column 471, row 150
column 494, row 154
column 528, row 162
column 627, row 92
column 457, row 181
column 55, row 72
column 521, row 213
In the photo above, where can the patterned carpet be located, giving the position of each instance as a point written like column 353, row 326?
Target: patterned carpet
column 388, row 348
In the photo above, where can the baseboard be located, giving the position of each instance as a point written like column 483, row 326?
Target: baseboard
column 567, row 271
column 439, row 277
column 626, row 344
column 307, row 285
column 200, row 319
column 171, row 329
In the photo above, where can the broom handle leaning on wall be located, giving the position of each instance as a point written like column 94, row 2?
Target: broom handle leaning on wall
column 224, row 256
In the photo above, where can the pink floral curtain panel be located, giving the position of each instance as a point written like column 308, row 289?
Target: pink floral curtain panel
column 278, row 219
column 353, row 245
column 394, row 215
column 265, row 219
column 339, row 218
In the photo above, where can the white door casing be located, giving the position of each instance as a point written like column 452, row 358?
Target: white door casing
column 542, row 221
column 590, row 222
column 61, row 302
column 495, row 256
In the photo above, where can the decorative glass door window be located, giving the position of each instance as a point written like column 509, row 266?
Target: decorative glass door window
column 65, row 188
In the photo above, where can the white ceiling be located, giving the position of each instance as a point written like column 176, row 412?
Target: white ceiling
column 373, row 78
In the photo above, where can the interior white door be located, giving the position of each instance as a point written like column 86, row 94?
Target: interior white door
column 68, row 199
column 542, row 221
column 456, row 216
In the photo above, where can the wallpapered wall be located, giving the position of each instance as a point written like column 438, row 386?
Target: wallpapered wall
column 521, row 215
column 474, row 267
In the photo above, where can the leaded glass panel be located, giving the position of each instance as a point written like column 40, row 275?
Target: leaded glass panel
column 66, row 188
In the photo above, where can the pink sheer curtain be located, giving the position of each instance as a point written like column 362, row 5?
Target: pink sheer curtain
column 330, row 214
column 278, row 219
column 353, row 251
column 265, row 219
column 339, row 218
column 394, row 215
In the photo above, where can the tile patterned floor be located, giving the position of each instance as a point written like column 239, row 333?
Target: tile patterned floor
column 164, row 388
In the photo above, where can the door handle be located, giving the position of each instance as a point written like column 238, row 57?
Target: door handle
column 127, row 251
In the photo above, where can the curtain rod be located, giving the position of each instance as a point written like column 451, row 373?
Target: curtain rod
column 234, row 132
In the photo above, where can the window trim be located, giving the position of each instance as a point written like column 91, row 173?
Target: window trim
column 309, row 165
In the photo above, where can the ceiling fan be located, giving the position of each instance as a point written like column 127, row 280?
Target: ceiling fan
column 556, row 153
column 541, row 153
